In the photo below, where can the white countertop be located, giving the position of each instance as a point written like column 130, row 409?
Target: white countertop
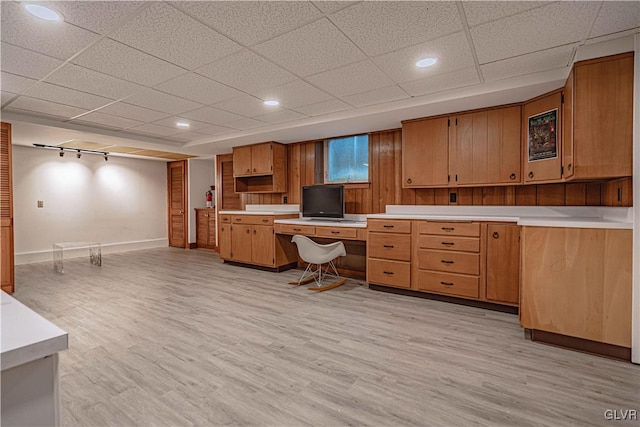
column 265, row 210
column 321, row 223
column 256, row 213
column 26, row 336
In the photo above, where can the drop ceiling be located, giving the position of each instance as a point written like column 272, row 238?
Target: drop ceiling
column 127, row 72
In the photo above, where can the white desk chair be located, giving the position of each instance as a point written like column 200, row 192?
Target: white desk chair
column 321, row 257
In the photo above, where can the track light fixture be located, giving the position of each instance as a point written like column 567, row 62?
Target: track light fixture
column 78, row 151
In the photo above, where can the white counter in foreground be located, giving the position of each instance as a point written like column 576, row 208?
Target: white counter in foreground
column 29, row 349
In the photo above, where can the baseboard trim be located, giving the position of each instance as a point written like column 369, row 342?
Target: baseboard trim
column 260, row 267
column 583, row 345
column 107, row 248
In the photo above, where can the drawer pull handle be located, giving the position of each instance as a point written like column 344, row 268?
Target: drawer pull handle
column 444, row 261
column 448, row 243
column 254, row 231
column 389, row 246
column 238, row 219
column 448, row 228
column 297, row 229
column 447, row 283
column 335, row 232
column 495, row 235
column 248, row 231
column 388, row 272
column 265, row 220
column 387, row 226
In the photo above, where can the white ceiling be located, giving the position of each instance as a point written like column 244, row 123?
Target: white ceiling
column 131, row 70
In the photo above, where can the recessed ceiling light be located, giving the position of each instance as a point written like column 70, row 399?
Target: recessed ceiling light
column 43, row 12
column 271, row 102
column 426, row 62
column 183, row 124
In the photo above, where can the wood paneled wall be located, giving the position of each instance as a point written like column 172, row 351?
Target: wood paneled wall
column 305, row 164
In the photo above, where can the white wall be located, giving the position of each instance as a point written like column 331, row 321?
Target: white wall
column 121, row 203
column 201, row 178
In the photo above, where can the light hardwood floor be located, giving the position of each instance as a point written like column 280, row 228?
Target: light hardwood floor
column 175, row 337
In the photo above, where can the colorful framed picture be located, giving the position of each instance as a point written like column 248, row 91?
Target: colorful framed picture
column 543, row 136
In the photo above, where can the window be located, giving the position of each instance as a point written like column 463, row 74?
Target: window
column 346, row 159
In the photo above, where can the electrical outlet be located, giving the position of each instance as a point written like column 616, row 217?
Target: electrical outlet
column 41, row 203
column 453, row 197
column 285, row 200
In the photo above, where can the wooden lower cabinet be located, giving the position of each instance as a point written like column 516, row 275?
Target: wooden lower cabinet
column 246, row 239
column 389, row 252
column 503, row 263
column 206, row 228
column 577, row 282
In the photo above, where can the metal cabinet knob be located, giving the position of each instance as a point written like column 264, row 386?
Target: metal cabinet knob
column 409, row 181
column 495, row 235
column 531, row 174
column 512, row 176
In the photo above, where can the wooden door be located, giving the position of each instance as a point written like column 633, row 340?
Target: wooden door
column 541, row 144
column 262, row 245
column 503, row 156
column 241, row 242
column 6, row 212
column 567, row 127
column 177, row 177
column 241, row 161
column 503, row 263
column 224, row 240
column 261, row 159
column 425, row 153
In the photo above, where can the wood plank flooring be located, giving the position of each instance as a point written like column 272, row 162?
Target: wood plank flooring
column 174, row 337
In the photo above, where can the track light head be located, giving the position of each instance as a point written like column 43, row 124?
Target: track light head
column 106, row 158
column 61, row 153
column 79, row 154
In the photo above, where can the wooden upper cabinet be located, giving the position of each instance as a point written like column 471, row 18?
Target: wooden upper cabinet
column 599, row 94
column 541, row 136
column 567, row 126
column 484, row 147
column 260, row 168
column 242, row 161
column 425, row 152
column 262, row 159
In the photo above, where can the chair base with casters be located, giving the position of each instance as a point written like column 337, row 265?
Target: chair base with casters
column 320, row 266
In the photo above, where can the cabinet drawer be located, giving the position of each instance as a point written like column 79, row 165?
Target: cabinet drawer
column 450, row 243
column 449, row 261
column 390, row 246
column 446, row 283
column 252, row 219
column 225, row 219
column 392, row 273
column 349, row 233
column 389, row 226
column 471, row 229
column 295, row 229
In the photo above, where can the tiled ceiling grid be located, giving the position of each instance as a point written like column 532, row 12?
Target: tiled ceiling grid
column 139, row 67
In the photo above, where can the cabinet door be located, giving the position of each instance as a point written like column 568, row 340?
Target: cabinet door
column 261, row 159
column 7, row 274
column 202, row 228
column 241, row 243
column 211, row 235
column 542, row 140
column 503, row 263
column 425, row 153
column 503, row 146
column 567, row 127
column 262, row 241
column 225, row 241
column 242, row 161
column 468, row 149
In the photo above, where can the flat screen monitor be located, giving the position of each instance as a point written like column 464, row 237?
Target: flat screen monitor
column 323, row 201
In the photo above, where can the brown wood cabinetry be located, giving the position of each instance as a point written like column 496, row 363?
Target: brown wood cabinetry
column 251, row 239
column 598, row 119
column 425, row 152
column 206, row 228
column 389, row 252
column 577, row 282
column 260, row 168
column 503, row 263
column 7, row 275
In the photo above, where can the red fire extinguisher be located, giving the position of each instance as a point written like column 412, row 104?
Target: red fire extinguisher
column 210, row 196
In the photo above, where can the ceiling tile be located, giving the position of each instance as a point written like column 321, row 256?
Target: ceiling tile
column 66, row 96
column 45, row 107
column 151, row 129
column 164, row 102
column 527, row 64
column 616, row 16
column 96, row 16
column 198, row 88
column 294, row 94
column 211, row 115
column 14, row 83
column 327, row 6
column 25, row 63
column 378, row 96
column 58, row 39
column 246, row 105
column 553, row 25
column 167, row 33
column 325, row 107
column 6, row 96
column 86, row 80
column 195, row 126
column 214, row 130
column 452, row 52
column 250, row 22
column 354, row 78
column 246, row 123
column 190, row 136
column 118, row 60
column 314, row 48
column 134, row 112
column 460, row 78
column 479, row 12
column 379, row 27
column 107, row 120
column 246, row 71
column 281, row 116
